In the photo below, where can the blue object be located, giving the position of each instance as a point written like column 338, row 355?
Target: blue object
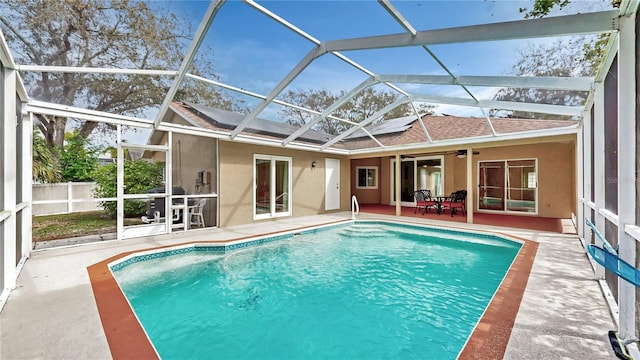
column 614, row 264
column 605, row 243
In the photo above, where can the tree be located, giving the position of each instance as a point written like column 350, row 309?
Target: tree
column 139, row 177
column 542, row 8
column 561, row 58
column 110, row 34
column 360, row 107
column 78, row 159
column 593, row 49
column 44, row 165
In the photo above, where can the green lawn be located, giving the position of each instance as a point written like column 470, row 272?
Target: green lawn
column 51, row 227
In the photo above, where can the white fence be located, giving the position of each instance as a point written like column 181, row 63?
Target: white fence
column 64, row 198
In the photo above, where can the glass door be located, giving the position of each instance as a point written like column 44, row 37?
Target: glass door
column 417, row 174
column 508, row 186
column 491, row 183
column 272, row 186
column 429, row 175
column 522, row 184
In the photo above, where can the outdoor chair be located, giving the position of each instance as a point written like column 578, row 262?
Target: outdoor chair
column 196, row 216
column 456, row 201
column 430, row 202
column 423, row 201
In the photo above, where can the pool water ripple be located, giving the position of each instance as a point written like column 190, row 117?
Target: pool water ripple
column 398, row 294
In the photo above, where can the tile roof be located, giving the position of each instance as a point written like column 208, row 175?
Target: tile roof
column 400, row 131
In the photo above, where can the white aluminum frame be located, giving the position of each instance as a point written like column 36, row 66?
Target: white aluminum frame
column 620, row 24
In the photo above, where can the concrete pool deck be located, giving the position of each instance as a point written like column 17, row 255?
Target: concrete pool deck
column 52, row 313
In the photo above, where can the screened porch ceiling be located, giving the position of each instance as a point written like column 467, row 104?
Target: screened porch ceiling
column 299, row 48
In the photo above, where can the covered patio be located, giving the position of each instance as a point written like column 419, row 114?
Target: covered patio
column 537, row 179
column 561, row 226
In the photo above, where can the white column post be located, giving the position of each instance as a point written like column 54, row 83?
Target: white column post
column 8, row 155
column 27, row 191
column 120, row 184
column 598, row 162
column 580, row 176
column 398, row 187
column 470, row 196
column 627, row 169
column 587, row 169
column 169, row 184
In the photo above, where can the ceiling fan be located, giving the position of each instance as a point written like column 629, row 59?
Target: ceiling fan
column 463, row 153
column 459, row 153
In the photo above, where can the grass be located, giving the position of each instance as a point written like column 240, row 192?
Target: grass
column 52, row 227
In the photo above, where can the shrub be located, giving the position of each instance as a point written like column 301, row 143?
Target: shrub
column 139, row 176
column 78, row 159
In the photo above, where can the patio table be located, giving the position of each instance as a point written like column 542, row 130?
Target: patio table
column 439, row 200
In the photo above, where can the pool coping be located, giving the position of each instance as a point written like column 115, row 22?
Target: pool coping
column 128, row 340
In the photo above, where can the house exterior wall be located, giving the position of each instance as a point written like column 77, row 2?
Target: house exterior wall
column 368, row 196
column 236, row 182
column 556, row 174
column 192, row 154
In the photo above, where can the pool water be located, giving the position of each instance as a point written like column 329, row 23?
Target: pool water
column 360, row 291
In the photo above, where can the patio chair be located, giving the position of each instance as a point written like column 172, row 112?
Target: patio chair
column 196, row 216
column 430, row 202
column 423, row 200
column 456, row 201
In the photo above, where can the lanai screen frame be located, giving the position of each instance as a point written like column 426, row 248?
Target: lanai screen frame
column 579, row 24
column 621, row 24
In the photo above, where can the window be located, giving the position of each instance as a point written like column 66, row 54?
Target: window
column 367, row 177
column 272, row 186
column 508, row 185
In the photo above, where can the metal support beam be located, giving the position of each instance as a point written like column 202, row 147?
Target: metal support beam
column 203, row 28
column 627, row 127
column 8, row 179
column 331, row 108
column 367, row 121
column 312, row 55
column 503, row 105
column 539, row 82
column 598, row 163
column 94, row 70
column 580, row 24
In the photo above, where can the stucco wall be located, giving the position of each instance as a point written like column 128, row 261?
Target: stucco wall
column 556, row 175
column 556, row 180
column 236, row 182
column 367, row 196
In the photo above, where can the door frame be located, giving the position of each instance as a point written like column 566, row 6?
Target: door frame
column 331, row 176
column 415, row 176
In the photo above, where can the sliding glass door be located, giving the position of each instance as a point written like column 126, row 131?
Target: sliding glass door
column 508, row 185
column 272, row 184
column 424, row 173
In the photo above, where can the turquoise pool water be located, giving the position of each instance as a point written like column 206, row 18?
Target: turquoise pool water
column 359, row 291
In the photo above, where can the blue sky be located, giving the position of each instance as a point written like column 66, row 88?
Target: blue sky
column 253, row 52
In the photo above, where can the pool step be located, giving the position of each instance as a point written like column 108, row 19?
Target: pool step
column 364, row 230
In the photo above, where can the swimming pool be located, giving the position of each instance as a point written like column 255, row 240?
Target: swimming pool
column 364, row 290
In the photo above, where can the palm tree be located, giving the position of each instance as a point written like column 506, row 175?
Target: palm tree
column 44, row 165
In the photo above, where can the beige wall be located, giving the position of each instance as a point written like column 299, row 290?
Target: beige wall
column 556, row 179
column 368, row 196
column 236, row 182
column 192, row 154
column 556, row 174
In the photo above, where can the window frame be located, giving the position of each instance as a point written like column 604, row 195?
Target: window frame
column 273, row 211
column 375, row 177
column 506, row 188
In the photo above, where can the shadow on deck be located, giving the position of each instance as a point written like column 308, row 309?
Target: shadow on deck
column 563, row 226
